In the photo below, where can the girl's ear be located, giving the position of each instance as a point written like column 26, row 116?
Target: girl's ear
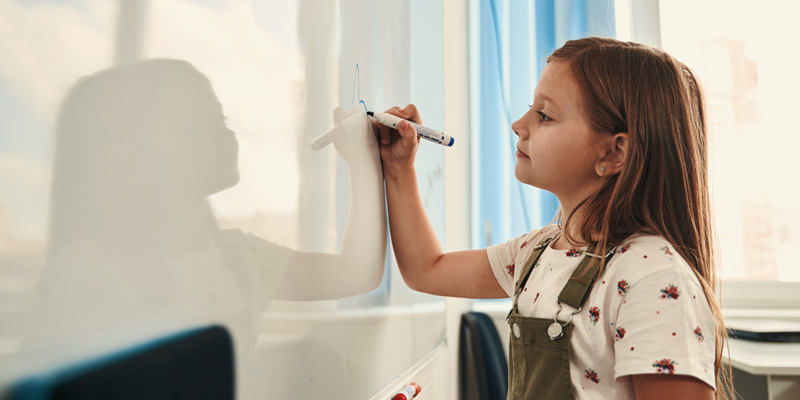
column 616, row 148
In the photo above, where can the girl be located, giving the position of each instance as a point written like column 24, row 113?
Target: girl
column 618, row 302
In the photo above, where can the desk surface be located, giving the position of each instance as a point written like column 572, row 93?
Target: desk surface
column 765, row 358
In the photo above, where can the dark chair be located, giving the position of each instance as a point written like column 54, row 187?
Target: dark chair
column 483, row 370
column 196, row 364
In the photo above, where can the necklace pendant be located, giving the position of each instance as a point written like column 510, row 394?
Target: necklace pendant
column 554, row 331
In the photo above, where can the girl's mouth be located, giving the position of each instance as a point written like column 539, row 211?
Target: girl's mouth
column 521, row 154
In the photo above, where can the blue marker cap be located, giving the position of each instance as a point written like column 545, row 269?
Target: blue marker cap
column 451, row 142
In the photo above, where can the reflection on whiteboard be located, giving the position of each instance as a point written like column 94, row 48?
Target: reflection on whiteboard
column 179, row 187
column 132, row 238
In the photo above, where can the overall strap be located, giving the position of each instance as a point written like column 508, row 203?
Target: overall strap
column 580, row 283
column 526, row 270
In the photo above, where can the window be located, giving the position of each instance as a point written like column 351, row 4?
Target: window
column 509, row 41
column 741, row 54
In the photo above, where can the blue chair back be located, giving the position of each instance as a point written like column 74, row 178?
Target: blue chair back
column 197, row 364
column 483, row 370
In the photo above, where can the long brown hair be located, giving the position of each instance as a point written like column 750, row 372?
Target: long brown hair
column 663, row 188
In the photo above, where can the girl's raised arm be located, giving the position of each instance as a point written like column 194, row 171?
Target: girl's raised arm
column 422, row 262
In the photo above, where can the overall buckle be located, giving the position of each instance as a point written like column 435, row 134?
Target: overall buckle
column 555, row 330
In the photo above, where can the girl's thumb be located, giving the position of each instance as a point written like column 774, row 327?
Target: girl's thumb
column 406, row 130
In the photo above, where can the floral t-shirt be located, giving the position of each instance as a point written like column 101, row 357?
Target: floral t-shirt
column 647, row 313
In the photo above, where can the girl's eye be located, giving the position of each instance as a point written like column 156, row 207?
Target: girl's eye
column 544, row 117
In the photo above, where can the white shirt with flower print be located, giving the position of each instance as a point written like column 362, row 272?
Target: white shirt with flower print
column 647, row 313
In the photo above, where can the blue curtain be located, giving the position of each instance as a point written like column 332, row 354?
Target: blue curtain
column 510, row 40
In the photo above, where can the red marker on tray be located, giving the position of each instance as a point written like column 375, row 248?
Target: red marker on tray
column 408, row 392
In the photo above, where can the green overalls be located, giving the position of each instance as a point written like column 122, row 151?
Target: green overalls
column 538, row 365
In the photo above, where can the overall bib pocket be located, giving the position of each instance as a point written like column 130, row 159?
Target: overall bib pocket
column 538, row 363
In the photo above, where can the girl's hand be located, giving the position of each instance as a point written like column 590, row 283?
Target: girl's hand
column 399, row 146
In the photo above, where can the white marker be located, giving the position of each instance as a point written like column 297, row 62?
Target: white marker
column 423, row 131
column 324, row 139
column 329, row 136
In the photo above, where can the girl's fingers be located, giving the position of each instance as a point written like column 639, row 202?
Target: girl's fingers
column 397, row 112
column 387, row 136
column 411, row 113
column 384, row 133
column 400, row 145
column 406, row 130
column 393, row 110
column 410, row 140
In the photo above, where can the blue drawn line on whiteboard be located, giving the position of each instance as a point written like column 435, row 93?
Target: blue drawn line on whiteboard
column 365, row 105
column 357, row 73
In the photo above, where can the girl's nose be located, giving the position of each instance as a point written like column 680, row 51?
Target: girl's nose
column 517, row 127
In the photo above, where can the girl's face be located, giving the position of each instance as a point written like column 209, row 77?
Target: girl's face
column 199, row 152
column 557, row 150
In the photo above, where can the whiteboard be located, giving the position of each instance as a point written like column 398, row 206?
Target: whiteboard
column 156, row 174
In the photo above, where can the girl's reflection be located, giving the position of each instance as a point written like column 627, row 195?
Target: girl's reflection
column 133, row 243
